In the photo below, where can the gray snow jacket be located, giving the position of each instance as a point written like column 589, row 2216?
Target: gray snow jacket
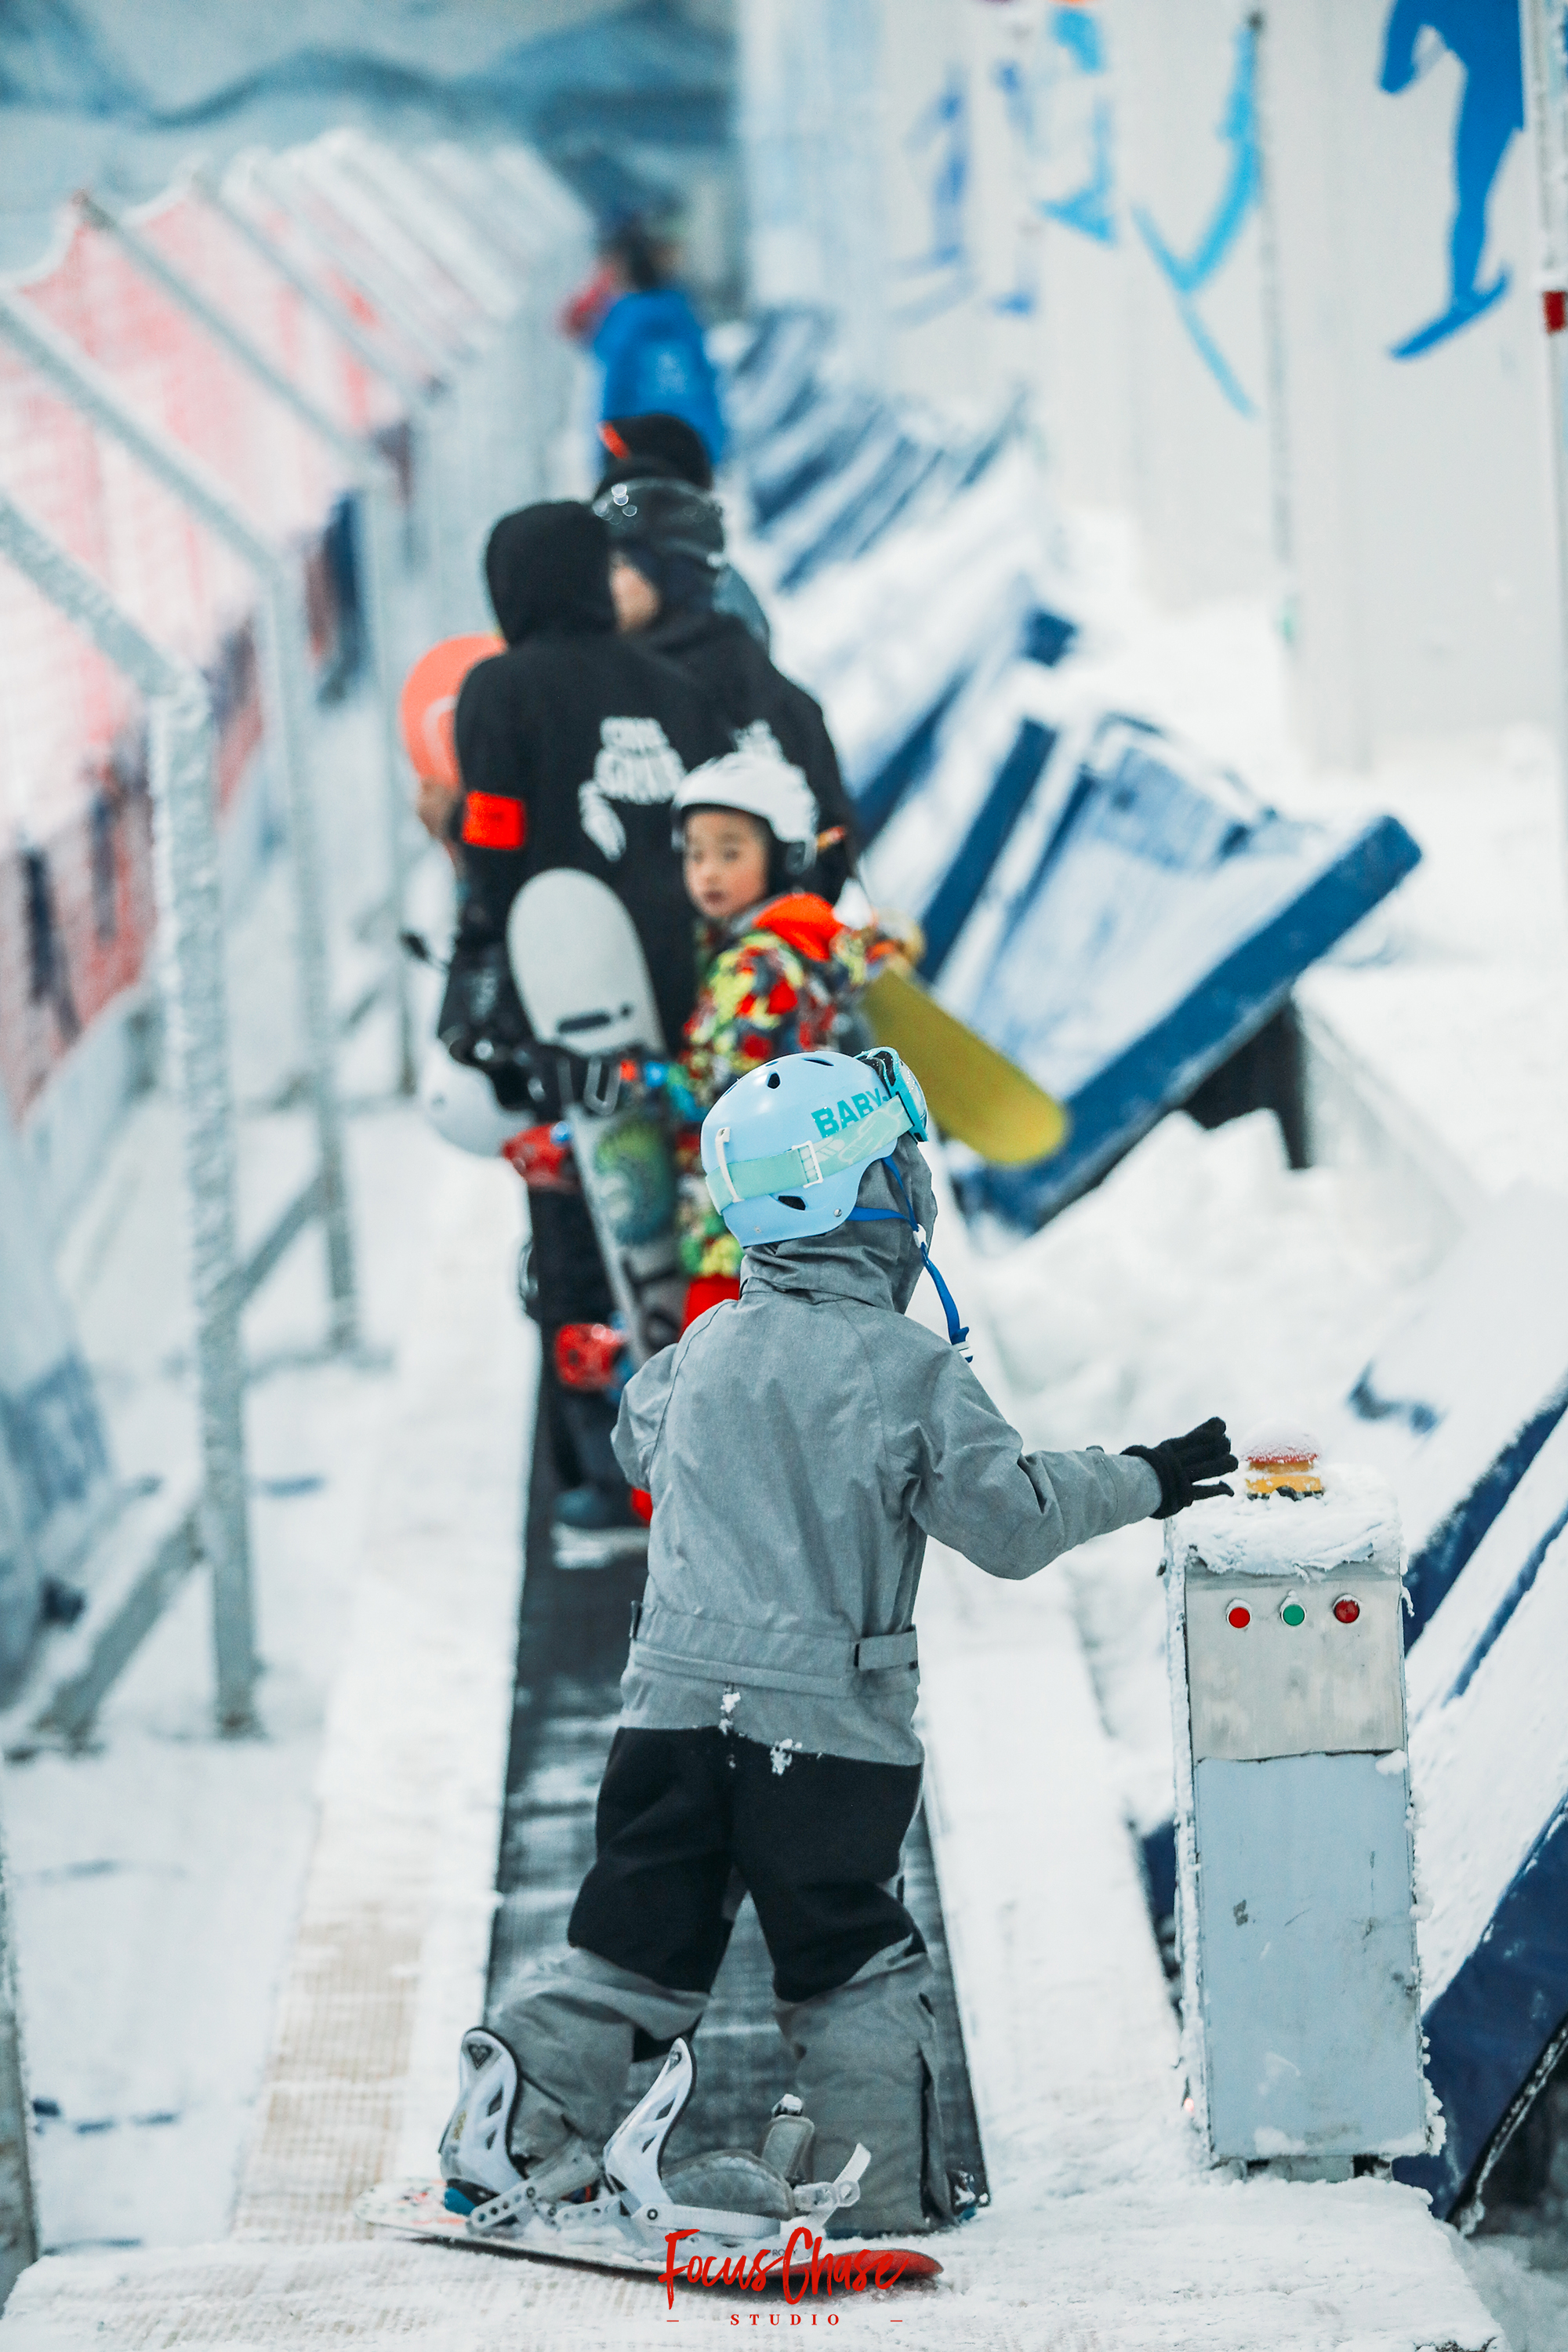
column 801, row 1444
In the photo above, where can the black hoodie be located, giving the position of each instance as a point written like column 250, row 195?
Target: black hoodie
column 718, row 652
column 571, row 744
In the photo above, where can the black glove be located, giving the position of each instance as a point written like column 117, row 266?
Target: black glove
column 1180, row 1462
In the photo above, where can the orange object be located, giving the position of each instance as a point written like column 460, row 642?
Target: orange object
column 430, row 699
column 494, row 821
column 1282, row 1461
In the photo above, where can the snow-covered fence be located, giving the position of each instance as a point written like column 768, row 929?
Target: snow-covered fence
column 286, row 700
column 239, row 285
column 200, row 411
column 57, row 1486
column 190, row 930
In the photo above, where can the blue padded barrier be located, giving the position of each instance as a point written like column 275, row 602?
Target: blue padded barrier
column 897, row 773
column 777, row 375
column 982, row 845
column 1165, row 919
column 890, row 490
column 821, row 441
column 1489, row 1768
column 1503, row 2014
column 1047, row 637
column 908, row 766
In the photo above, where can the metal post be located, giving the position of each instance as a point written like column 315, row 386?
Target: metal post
column 380, row 288
column 419, row 399
column 1281, row 518
column 371, row 473
column 18, row 2214
column 1544, row 27
column 285, row 673
column 190, row 941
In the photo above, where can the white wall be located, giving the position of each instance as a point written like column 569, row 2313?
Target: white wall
column 1075, row 193
column 1197, row 376
column 1418, row 487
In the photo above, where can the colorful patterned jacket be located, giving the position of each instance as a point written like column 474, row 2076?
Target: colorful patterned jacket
column 776, row 980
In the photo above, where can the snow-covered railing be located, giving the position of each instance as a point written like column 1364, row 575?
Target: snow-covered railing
column 191, row 921
column 215, row 429
column 260, row 356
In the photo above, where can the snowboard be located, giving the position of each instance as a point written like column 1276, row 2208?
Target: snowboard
column 975, row 1094
column 428, row 704
column 580, row 973
column 419, row 2209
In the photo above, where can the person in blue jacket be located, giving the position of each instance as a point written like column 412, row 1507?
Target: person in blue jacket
column 648, row 342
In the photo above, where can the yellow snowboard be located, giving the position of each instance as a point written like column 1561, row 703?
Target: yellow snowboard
column 975, row 1094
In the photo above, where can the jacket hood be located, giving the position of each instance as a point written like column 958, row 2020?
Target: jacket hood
column 879, row 1265
column 548, row 567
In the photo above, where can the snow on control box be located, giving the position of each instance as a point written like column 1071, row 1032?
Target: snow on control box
column 1300, row 1992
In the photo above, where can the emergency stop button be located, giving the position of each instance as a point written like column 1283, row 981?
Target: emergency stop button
column 1346, row 1609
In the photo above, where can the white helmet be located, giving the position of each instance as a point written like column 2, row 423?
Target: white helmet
column 759, row 783
column 460, row 1104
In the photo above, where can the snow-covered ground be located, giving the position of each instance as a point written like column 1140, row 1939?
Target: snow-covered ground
column 160, row 1878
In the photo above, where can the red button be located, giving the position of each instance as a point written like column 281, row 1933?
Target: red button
column 1347, row 1611
column 1238, row 1616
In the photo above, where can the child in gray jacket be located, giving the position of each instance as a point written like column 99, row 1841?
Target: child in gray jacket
column 800, row 1446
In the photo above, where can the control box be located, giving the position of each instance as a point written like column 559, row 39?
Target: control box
column 1301, row 2010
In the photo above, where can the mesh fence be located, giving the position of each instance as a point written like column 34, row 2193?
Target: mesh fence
column 393, row 253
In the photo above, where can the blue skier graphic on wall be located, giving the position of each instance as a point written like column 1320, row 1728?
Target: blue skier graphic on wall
column 1483, row 34
column 942, row 129
column 1059, row 111
column 1187, row 278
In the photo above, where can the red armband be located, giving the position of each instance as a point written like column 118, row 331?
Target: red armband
column 494, row 821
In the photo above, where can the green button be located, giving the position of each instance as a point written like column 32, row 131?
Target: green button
column 1293, row 1613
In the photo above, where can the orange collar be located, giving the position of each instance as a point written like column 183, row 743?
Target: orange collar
column 803, row 922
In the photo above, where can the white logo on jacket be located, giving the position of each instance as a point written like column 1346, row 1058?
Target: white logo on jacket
column 636, row 765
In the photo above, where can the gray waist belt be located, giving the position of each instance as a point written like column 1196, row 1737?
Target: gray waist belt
column 712, row 1649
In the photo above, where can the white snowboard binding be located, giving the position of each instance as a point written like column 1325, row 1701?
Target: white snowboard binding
column 570, row 2200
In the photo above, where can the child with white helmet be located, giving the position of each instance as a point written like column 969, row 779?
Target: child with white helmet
column 778, row 972
column 801, row 1444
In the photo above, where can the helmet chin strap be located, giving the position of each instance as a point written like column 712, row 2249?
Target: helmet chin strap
column 957, row 1332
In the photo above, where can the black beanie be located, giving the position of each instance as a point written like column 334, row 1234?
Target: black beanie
column 548, row 567
column 654, row 444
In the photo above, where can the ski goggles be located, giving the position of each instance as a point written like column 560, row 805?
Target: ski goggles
column 835, row 1149
column 902, row 1084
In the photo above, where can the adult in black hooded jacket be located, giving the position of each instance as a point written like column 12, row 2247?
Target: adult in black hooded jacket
column 571, row 745
column 659, row 537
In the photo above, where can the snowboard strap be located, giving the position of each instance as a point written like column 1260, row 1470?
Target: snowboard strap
column 804, row 1164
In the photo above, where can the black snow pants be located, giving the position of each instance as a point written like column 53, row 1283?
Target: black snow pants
column 817, row 1840
column 684, row 1817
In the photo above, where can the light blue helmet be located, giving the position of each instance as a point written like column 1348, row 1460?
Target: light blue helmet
column 785, row 1149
